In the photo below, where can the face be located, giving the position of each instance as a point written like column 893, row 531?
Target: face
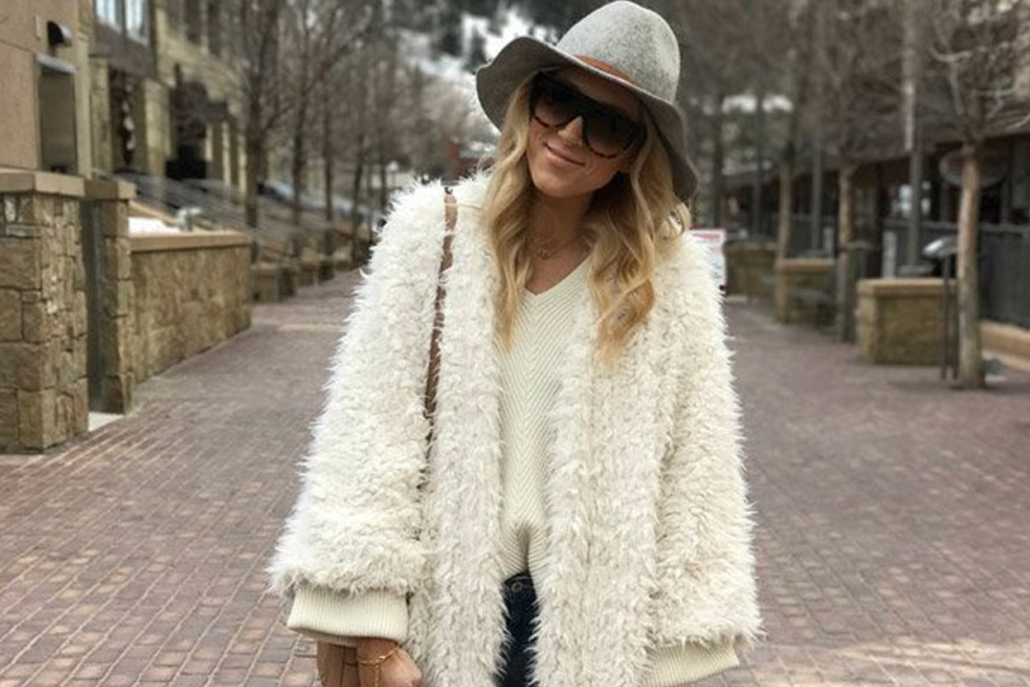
column 564, row 160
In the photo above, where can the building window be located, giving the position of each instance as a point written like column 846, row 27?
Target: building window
column 130, row 18
column 214, row 26
column 195, row 21
column 137, row 20
column 109, row 12
column 175, row 15
column 56, row 93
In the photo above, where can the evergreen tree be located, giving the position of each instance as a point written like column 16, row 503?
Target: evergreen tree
column 482, row 8
column 477, row 51
column 449, row 34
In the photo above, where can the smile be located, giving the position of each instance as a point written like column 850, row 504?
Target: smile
column 563, row 157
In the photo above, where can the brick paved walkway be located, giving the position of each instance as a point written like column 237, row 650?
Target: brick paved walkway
column 894, row 541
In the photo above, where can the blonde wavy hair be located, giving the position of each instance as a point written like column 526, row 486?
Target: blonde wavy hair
column 628, row 225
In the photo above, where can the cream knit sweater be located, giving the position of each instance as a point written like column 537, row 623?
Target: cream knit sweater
column 529, row 376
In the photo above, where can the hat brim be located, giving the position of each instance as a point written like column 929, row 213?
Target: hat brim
column 525, row 55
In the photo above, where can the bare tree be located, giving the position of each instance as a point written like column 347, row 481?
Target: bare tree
column 283, row 50
column 320, row 33
column 770, row 69
column 386, row 87
column 713, row 44
column 861, row 86
column 798, row 66
column 979, row 44
column 733, row 51
column 357, row 80
column 260, row 34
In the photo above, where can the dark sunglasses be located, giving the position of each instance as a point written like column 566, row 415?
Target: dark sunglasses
column 606, row 132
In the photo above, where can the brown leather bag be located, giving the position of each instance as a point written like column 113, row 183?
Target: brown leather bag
column 338, row 665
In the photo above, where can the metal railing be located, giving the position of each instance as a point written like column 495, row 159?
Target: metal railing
column 175, row 195
column 1004, row 265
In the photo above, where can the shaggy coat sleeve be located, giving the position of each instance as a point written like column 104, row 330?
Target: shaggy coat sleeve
column 354, row 527
column 705, row 590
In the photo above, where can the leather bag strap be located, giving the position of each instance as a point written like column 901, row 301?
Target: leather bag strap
column 451, row 217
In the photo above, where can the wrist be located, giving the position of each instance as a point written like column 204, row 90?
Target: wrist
column 372, row 648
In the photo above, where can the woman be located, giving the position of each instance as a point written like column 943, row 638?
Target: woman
column 580, row 515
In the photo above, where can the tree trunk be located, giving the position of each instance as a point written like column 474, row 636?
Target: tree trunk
column 299, row 160
column 384, row 192
column 254, row 143
column 357, row 78
column 912, row 67
column 355, row 217
column 718, row 155
column 846, row 227
column 816, row 219
column 757, row 202
column 970, row 367
column 328, row 158
column 819, row 134
column 786, row 206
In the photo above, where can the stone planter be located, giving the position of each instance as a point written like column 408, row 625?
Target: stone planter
column 1007, row 341
column 749, row 270
column 794, row 274
column 900, row 321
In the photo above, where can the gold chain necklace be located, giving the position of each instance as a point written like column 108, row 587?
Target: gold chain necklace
column 548, row 252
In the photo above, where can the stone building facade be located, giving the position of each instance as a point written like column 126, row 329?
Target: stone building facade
column 169, row 73
column 44, row 49
column 90, row 87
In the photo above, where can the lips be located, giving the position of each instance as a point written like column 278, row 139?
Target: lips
column 563, row 156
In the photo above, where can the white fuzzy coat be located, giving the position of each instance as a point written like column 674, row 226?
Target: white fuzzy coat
column 650, row 528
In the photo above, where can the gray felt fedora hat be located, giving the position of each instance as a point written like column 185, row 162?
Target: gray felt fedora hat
column 622, row 42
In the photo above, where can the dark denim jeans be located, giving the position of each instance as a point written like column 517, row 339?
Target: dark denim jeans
column 520, row 609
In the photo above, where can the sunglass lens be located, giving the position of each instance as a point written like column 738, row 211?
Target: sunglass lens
column 609, row 134
column 555, row 105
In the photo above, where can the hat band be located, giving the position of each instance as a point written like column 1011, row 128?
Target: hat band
column 605, row 67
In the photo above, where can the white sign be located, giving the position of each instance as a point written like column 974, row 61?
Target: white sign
column 993, row 167
column 890, row 254
column 714, row 240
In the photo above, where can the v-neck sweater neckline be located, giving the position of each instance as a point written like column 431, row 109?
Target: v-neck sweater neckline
column 569, row 284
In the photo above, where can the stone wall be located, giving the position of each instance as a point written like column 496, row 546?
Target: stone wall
column 900, row 321
column 43, row 386
column 749, row 269
column 111, row 294
column 1007, row 341
column 804, row 273
column 192, row 291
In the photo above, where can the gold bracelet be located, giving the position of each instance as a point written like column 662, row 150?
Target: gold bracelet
column 378, row 663
column 379, row 660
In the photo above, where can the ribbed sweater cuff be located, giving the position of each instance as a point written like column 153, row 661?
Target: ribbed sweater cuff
column 341, row 618
column 678, row 665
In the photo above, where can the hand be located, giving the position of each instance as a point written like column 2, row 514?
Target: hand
column 399, row 670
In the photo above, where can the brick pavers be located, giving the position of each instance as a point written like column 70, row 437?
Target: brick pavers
column 135, row 556
column 894, row 517
column 892, row 543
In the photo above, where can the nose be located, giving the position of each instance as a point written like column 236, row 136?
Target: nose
column 572, row 132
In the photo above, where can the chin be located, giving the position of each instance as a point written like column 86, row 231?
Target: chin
column 555, row 187
column 556, row 184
